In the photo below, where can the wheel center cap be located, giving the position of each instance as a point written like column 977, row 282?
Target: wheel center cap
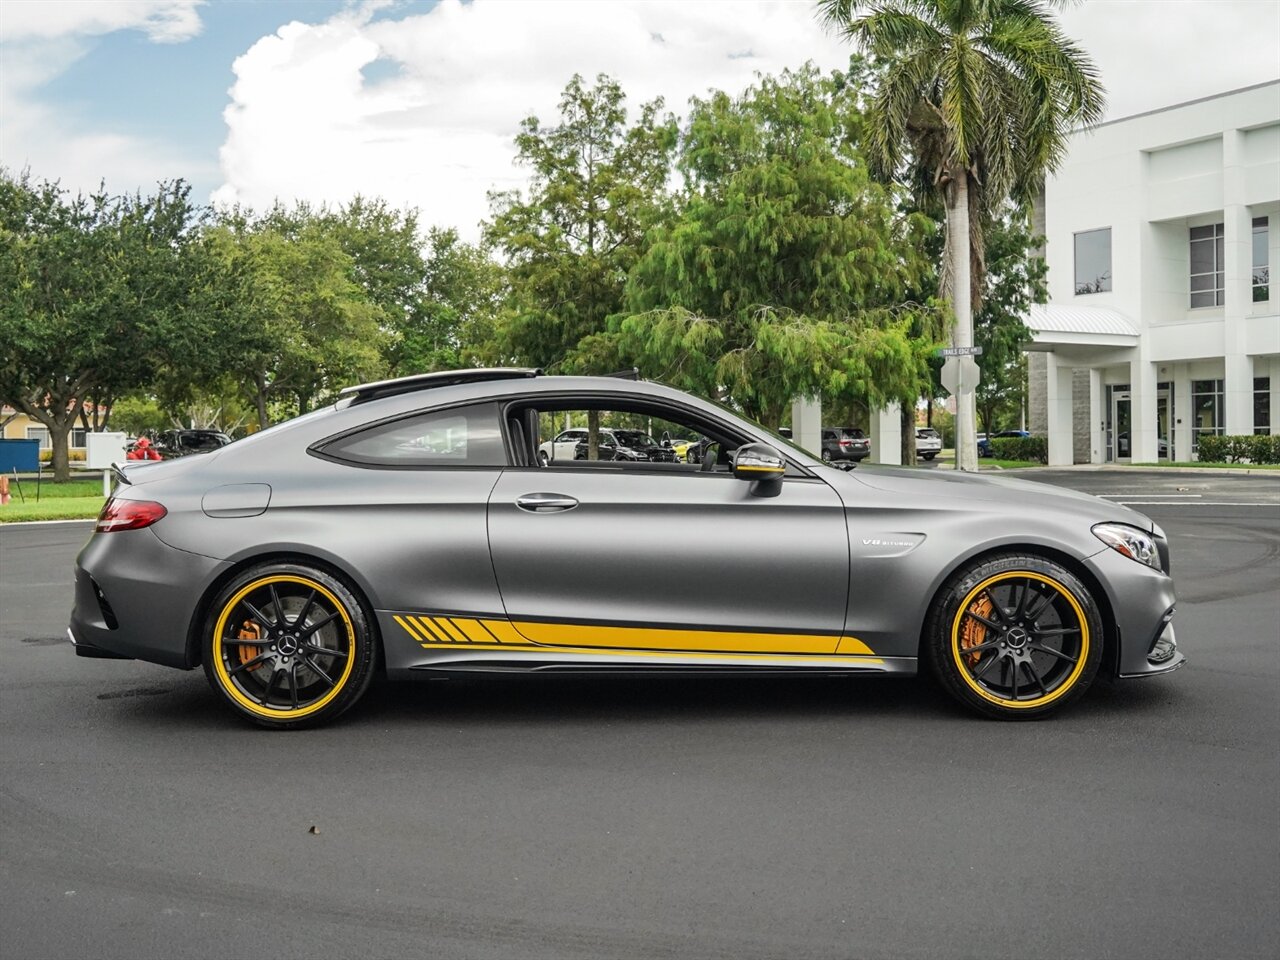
column 1016, row 637
column 288, row 644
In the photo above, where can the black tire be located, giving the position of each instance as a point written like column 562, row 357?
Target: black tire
column 1016, row 637
column 303, row 625
column 826, row 456
column 928, row 456
column 542, row 456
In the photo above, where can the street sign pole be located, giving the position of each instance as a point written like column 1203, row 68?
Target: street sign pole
column 960, row 377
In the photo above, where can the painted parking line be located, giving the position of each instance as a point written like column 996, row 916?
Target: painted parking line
column 1198, row 503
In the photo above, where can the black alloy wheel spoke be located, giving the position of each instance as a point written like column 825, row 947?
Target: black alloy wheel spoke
column 293, row 684
column 258, row 615
column 989, row 624
column 1021, row 611
column 1031, row 669
column 306, row 608
column 271, row 683
column 244, row 642
column 986, row 665
column 323, row 651
column 1057, row 631
column 313, row 627
column 248, row 663
column 275, row 604
column 1042, row 602
column 1040, row 648
column 998, row 609
column 1013, row 677
column 323, row 676
column 976, row 648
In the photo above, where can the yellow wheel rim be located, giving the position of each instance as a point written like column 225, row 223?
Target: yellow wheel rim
column 282, row 647
column 1038, row 663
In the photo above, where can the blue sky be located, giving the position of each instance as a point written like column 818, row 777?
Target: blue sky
column 128, row 82
column 418, row 100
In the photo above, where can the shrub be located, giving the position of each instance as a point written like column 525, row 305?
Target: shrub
column 1021, row 448
column 1251, row 448
column 73, row 456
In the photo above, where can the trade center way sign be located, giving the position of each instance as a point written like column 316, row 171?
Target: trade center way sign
column 960, row 372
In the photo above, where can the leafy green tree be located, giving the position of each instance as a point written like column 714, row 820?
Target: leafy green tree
column 1015, row 279
column 785, row 272
column 94, row 293
column 976, row 99
column 598, row 185
column 297, row 326
column 463, row 294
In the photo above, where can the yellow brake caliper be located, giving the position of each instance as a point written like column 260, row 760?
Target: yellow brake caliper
column 973, row 632
column 250, row 631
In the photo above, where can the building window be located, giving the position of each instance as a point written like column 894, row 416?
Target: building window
column 1261, row 261
column 1207, row 271
column 1093, row 261
column 1206, row 410
column 77, row 438
column 41, row 434
column 1261, row 404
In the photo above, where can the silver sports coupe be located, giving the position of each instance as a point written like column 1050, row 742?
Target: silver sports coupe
column 413, row 528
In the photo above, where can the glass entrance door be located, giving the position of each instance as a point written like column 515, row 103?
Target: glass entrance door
column 1120, row 424
column 1121, row 409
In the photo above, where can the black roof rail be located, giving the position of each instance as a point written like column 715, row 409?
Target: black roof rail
column 631, row 373
column 441, row 378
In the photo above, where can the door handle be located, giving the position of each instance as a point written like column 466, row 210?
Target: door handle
column 545, row 502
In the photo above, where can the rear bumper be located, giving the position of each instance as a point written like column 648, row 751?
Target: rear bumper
column 135, row 597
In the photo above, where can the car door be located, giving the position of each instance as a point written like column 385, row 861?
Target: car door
column 654, row 557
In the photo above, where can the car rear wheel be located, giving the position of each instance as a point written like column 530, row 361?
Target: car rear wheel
column 288, row 645
column 1015, row 637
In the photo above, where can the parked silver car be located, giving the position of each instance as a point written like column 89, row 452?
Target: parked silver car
column 411, row 528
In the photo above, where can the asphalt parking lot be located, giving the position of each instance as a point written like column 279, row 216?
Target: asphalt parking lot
column 690, row 818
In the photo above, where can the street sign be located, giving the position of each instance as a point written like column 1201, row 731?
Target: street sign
column 960, row 375
column 960, row 352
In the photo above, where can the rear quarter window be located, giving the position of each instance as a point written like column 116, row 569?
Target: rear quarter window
column 458, row 437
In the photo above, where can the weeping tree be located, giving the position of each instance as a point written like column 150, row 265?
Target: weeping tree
column 976, row 101
column 786, row 270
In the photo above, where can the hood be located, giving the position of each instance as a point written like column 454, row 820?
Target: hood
column 1007, row 492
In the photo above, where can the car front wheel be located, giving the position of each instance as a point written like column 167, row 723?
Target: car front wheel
column 1015, row 637
column 288, row 645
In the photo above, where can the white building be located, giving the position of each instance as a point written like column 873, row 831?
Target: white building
column 1162, row 238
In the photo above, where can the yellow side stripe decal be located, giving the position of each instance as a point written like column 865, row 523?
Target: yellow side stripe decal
column 438, row 632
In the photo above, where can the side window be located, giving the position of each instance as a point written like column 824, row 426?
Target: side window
column 460, row 437
column 640, row 437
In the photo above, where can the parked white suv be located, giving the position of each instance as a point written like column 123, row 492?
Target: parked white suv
column 928, row 442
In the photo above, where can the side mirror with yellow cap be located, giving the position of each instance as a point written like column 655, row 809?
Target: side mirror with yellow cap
column 758, row 462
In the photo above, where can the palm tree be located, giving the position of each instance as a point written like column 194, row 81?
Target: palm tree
column 976, row 100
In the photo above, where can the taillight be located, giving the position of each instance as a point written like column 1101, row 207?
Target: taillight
column 128, row 515
column 845, row 443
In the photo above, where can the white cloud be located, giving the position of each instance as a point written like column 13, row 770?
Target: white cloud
column 1155, row 53
column 41, row 40
column 164, row 21
column 437, row 133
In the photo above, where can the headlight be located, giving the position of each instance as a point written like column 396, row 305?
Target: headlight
column 1133, row 543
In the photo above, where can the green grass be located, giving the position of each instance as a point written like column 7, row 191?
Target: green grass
column 1214, row 466
column 52, row 508
column 56, row 491
column 991, row 463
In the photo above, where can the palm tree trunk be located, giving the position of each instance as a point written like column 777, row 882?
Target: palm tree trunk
column 962, row 332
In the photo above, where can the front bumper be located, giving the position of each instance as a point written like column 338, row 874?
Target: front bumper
column 135, row 597
column 1142, row 602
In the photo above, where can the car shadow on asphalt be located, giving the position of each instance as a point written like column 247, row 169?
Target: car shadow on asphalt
column 190, row 704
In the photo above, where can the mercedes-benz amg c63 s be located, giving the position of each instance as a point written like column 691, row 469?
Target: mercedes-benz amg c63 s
column 413, row 528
